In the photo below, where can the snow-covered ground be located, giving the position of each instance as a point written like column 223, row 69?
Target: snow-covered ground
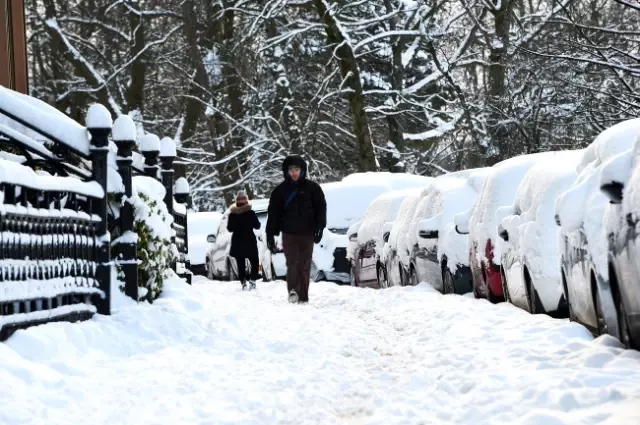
column 212, row 354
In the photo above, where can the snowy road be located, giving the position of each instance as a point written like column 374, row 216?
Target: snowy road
column 212, row 354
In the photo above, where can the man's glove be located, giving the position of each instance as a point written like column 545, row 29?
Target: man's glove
column 271, row 243
column 317, row 237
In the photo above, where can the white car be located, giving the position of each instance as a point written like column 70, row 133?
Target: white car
column 367, row 265
column 481, row 222
column 583, row 236
column 397, row 253
column 439, row 254
column 201, row 224
column 218, row 263
column 346, row 204
column 531, row 276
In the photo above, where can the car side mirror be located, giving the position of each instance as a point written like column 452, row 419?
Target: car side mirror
column 353, row 237
column 211, row 238
column 428, row 234
column 504, row 235
column 557, row 218
column 613, row 191
column 385, row 237
column 460, row 232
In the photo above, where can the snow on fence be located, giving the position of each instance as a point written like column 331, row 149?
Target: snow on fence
column 55, row 259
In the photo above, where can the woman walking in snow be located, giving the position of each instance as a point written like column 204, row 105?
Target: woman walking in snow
column 242, row 221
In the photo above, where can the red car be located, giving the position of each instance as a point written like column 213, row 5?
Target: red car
column 481, row 223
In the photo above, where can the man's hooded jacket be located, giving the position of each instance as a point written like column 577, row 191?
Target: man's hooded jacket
column 296, row 207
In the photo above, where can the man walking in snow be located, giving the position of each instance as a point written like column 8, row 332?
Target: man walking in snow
column 298, row 209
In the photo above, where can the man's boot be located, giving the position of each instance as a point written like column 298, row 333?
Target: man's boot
column 293, row 296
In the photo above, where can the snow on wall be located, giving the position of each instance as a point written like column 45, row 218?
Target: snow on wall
column 49, row 119
column 14, row 173
column 499, row 190
column 533, row 232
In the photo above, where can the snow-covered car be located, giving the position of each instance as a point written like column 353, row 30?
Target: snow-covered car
column 531, row 276
column 620, row 182
column 580, row 213
column 440, row 255
column 200, row 225
column 395, row 181
column 481, row 223
column 346, row 204
column 367, row 267
column 397, row 253
column 218, row 263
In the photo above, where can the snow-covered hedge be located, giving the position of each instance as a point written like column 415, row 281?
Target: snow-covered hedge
column 152, row 232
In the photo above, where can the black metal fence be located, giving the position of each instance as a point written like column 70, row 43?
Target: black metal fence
column 55, row 261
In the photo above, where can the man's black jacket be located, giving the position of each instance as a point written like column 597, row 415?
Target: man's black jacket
column 306, row 212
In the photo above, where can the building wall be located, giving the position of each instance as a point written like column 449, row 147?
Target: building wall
column 13, row 46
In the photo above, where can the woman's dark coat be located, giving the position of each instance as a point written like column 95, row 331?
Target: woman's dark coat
column 242, row 221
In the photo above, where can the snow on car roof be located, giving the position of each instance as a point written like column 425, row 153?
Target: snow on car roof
column 383, row 209
column 396, row 181
column 347, row 202
column 499, row 190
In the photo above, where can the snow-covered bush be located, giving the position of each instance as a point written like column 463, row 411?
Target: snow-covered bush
column 152, row 231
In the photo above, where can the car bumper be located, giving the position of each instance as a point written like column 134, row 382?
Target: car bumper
column 634, row 327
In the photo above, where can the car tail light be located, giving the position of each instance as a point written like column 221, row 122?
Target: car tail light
column 488, row 251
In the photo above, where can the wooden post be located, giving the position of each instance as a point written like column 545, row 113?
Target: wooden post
column 99, row 125
column 13, row 46
column 124, row 136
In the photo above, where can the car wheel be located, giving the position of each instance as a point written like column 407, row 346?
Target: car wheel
column 505, row 286
column 413, row 277
column 210, row 274
column 383, row 282
column 352, row 276
column 535, row 305
column 231, row 274
column 603, row 328
column 625, row 332
column 447, row 280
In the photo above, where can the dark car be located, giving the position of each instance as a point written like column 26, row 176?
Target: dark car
column 439, row 255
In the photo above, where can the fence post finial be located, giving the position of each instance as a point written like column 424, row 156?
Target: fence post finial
column 99, row 125
column 124, row 136
column 150, row 148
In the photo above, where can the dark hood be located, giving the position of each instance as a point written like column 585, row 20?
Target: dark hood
column 294, row 160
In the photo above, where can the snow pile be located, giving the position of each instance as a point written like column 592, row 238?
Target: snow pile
column 200, row 225
column 533, row 232
column 214, row 354
column 499, row 190
column 381, row 211
column 583, row 205
column 402, row 226
column 447, row 196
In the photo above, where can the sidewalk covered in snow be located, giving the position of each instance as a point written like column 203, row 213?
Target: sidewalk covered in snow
column 212, row 354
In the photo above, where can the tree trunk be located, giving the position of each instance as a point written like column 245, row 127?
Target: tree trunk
column 350, row 73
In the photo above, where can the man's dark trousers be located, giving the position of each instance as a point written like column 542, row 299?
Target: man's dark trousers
column 298, row 250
